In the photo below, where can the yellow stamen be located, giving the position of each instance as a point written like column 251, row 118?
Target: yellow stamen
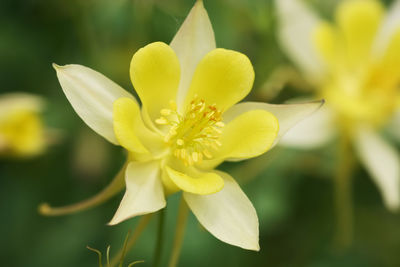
column 195, row 132
column 165, row 112
column 162, row 121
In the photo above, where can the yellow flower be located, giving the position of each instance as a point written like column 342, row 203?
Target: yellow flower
column 354, row 62
column 188, row 124
column 22, row 133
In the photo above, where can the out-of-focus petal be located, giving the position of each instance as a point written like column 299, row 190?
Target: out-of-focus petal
column 22, row 134
column 390, row 25
column 314, row 131
column 393, row 126
column 296, row 26
column 192, row 42
column 155, row 74
column 359, row 21
column 288, row 115
column 382, row 162
column 11, row 102
column 228, row 214
column 223, row 77
column 92, row 95
column 144, row 191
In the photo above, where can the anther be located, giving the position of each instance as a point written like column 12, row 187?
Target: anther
column 220, row 124
column 172, row 104
column 165, row 112
column 195, row 156
column 207, row 153
column 162, row 121
column 180, row 142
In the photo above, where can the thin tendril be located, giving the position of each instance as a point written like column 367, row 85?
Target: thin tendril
column 98, row 253
column 143, row 222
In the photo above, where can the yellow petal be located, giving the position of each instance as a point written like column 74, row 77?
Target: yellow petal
column 129, row 128
column 155, row 74
column 191, row 43
column 359, row 21
column 202, row 183
column 387, row 74
column 248, row 135
column 223, row 77
column 288, row 115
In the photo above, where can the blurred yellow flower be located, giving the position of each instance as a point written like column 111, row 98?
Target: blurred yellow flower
column 354, row 62
column 188, row 124
column 22, row 133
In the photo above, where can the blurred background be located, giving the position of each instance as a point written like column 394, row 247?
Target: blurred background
column 291, row 190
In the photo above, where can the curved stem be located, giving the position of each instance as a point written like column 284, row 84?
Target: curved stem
column 343, row 195
column 179, row 233
column 160, row 239
column 116, row 185
column 131, row 240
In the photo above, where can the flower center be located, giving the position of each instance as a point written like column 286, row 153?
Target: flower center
column 193, row 134
column 360, row 99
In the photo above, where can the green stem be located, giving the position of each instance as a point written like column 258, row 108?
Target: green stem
column 160, row 238
column 179, row 233
column 343, row 196
column 116, row 185
column 130, row 242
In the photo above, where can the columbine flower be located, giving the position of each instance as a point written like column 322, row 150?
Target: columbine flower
column 354, row 62
column 22, row 133
column 188, row 124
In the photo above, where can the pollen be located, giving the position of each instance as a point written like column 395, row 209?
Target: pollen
column 192, row 135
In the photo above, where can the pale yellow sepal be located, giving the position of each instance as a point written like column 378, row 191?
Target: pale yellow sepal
column 296, row 24
column 389, row 25
column 194, row 39
column 227, row 214
column 201, row 184
column 288, row 115
column 144, row 191
column 314, row 131
column 223, row 77
column 92, row 95
column 155, row 74
column 382, row 162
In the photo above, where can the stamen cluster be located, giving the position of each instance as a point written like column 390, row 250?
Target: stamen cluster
column 195, row 133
